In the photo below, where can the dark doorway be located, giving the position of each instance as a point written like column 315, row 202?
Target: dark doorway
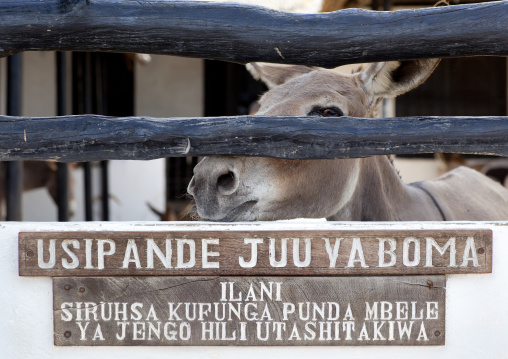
column 468, row 86
column 229, row 89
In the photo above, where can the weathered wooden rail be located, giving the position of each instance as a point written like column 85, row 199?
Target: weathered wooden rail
column 89, row 137
column 243, row 33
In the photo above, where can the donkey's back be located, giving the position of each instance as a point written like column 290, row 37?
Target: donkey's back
column 465, row 194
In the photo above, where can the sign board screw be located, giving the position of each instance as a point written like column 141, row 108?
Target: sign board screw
column 29, row 253
column 437, row 333
column 430, row 284
column 481, row 250
column 67, row 334
column 67, row 287
column 82, row 289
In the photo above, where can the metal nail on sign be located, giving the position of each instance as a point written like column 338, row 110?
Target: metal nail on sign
column 255, row 253
column 249, row 311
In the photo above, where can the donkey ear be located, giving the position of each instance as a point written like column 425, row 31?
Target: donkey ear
column 393, row 78
column 275, row 74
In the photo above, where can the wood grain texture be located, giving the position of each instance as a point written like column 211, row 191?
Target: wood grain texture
column 91, row 137
column 253, row 311
column 251, row 253
column 243, row 33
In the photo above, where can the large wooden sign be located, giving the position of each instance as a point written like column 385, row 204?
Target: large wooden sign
column 255, row 253
column 250, row 311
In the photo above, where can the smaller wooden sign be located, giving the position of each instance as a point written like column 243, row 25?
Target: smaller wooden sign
column 255, row 253
column 249, row 311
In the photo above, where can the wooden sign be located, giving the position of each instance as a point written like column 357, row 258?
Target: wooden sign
column 255, row 253
column 249, row 310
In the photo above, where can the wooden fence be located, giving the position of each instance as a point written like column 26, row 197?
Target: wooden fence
column 243, row 33
column 93, row 138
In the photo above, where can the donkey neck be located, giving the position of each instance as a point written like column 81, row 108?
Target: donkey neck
column 381, row 195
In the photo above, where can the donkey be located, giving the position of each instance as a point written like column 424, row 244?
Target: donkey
column 361, row 189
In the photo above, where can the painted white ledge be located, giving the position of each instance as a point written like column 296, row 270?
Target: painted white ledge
column 476, row 308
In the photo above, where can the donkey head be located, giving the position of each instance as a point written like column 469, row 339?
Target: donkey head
column 254, row 188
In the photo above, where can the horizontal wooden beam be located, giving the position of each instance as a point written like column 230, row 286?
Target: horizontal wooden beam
column 92, row 137
column 244, row 33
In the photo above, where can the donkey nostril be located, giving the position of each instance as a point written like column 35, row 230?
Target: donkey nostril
column 226, row 182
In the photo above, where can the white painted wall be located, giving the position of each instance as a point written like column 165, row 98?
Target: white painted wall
column 169, row 86
column 39, row 84
column 412, row 170
column 38, row 100
column 476, row 304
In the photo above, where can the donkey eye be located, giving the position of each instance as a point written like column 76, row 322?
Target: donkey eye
column 326, row 112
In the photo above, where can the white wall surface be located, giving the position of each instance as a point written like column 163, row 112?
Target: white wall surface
column 476, row 304
column 169, row 86
column 38, row 84
column 420, row 169
column 38, row 100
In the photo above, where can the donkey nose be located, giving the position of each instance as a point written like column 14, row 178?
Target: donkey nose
column 227, row 183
